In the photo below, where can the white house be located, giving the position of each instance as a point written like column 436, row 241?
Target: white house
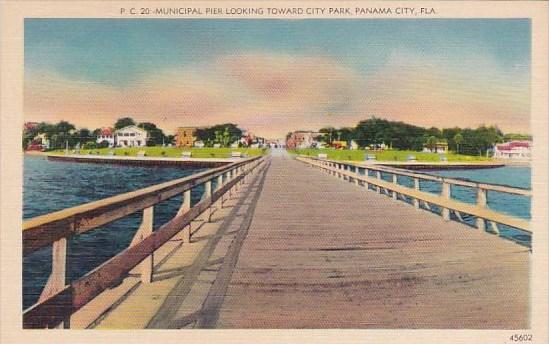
column 106, row 134
column 43, row 140
column 520, row 150
column 130, row 136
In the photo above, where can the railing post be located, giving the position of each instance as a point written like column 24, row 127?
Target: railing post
column 237, row 172
column 56, row 281
column 395, row 181
column 185, row 207
column 446, row 195
column 144, row 230
column 367, row 175
column 416, row 187
column 481, row 202
column 378, row 176
column 208, row 194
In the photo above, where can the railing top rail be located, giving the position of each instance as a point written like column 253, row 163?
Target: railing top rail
column 455, row 181
column 472, row 209
column 45, row 229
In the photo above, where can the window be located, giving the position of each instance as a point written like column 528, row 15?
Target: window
column 132, row 134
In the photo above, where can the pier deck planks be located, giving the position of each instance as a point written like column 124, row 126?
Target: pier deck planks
column 325, row 253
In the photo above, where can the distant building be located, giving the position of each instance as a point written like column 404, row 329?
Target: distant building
column 130, row 136
column 519, row 150
column 185, row 136
column 106, row 134
column 39, row 143
column 302, row 139
column 247, row 138
column 339, row 144
column 441, row 146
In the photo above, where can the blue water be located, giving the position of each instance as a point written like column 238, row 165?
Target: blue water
column 49, row 186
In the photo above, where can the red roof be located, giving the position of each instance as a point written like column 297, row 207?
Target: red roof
column 106, row 132
column 514, row 145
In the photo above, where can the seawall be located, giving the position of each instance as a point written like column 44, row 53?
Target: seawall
column 144, row 161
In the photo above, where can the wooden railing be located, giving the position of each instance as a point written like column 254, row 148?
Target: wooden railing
column 486, row 219
column 58, row 300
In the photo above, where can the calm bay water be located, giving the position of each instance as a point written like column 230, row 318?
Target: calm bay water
column 50, row 186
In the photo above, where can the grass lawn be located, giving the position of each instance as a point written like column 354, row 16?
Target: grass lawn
column 171, row 152
column 386, row 155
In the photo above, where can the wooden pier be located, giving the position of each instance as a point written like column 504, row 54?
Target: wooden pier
column 294, row 247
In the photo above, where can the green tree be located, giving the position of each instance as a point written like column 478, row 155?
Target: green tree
column 226, row 137
column 123, row 122
column 215, row 134
column 155, row 135
column 458, row 139
column 218, row 136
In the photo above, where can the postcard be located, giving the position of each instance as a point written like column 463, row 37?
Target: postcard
column 258, row 171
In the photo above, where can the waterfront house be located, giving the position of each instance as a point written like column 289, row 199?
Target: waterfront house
column 441, row 146
column 39, row 143
column 130, row 136
column 185, row 136
column 106, row 134
column 517, row 150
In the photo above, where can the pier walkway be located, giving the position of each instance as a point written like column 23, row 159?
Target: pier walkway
column 298, row 248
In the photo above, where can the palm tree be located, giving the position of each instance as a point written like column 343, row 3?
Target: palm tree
column 458, row 139
column 431, row 142
column 218, row 136
column 226, row 137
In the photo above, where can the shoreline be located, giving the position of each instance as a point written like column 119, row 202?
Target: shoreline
column 142, row 161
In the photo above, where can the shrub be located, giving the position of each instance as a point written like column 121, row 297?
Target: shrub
column 89, row 145
column 103, row 144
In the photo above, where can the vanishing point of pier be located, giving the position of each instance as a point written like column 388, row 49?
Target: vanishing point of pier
column 280, row 242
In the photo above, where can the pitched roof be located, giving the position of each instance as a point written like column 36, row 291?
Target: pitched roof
column 130, row 127
column 105, row 132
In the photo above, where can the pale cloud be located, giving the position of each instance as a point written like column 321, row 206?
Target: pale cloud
column 271, row 94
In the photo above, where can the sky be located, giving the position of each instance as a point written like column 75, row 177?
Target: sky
column 275, row 76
